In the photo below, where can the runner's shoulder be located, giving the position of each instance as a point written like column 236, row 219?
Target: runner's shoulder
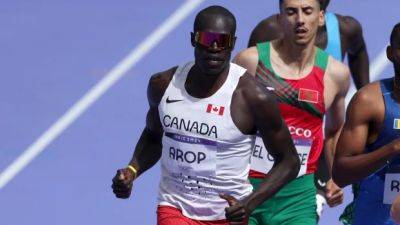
column 247, row 58
column 368, row 96
column 368, row 101
column 158, row 84
column 349, row 26
column 270, row 22
column 338, row 72
column 267, row 29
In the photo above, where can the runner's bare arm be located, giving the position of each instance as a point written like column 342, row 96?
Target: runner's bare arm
column 266, row 116
column 339, row 76
column 356, row 50
column 351, row 162
column 148, row 148
column 267, row 30
column 254, row 108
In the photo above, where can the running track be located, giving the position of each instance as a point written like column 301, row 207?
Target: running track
column 54, row 52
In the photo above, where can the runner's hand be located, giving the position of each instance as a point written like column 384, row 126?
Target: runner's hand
column 333, row 194
column 236, row 213
column 122, row 183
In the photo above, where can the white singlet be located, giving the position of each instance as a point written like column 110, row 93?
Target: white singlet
column 203, row 153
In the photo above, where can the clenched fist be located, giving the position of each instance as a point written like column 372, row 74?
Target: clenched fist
column 237, row 212
column 122, row 183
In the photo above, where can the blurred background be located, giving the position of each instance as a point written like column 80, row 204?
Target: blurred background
column 73, row 97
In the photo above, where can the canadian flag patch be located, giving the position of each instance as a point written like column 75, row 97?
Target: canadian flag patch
column 214, row 109
column 307, row 95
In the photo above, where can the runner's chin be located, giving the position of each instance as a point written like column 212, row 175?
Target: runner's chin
column 301, row 38
column 214, row 66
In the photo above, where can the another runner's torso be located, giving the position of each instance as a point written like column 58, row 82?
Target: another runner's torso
column 380, row 188
column 203, row 153
column 302, row 106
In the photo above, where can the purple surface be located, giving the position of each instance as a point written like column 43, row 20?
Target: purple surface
column 52, row 52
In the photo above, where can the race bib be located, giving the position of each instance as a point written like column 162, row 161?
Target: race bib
column 262, row 162
column 190, row 155
column 303, row 147
column 392, row 185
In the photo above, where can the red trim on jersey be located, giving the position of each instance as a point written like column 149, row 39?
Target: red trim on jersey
column 311, row 90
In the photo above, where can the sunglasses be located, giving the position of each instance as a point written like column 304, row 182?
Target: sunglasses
column 207, row 40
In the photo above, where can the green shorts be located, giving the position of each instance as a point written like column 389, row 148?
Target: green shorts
column 294, row 204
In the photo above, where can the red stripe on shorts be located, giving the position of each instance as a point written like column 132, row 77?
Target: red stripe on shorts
column 167, row 215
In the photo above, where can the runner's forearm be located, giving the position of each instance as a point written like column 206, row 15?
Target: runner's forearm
column 350, row 169
column 147, row 151
column 285, row 170
column 331, row 138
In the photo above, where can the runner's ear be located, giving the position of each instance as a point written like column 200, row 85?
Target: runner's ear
column 321, row 18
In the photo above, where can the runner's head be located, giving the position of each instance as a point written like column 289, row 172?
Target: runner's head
column 300, row 20
column 213, row 38
column 324, row 4
column 393, row 50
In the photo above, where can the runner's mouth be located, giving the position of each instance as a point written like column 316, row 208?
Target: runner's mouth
column 301, row 31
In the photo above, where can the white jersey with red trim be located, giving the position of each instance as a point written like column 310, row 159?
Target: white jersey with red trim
column 203, row 153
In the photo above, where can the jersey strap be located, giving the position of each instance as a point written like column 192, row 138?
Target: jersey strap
column 333, row 47
column 285, row 90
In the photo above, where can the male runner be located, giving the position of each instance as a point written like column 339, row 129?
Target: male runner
column 339, row 36
column 202, row 122
column 368, row 148
column 309, row 84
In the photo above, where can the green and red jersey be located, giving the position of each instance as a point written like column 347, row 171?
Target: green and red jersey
column 301, row 102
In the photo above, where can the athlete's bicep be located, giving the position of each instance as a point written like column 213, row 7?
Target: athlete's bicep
column 148, row 148
column 353, row 137
column 272, row 128
column 248, row 59
column 153, row 123
column 339, row 79
column 158, row 83
column 156, row 88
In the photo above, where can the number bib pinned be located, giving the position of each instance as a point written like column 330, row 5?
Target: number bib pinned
column 263, row 162
column 392, row 185
column 189, row 155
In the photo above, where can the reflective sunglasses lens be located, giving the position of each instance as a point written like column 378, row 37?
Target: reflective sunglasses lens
column 207, row 39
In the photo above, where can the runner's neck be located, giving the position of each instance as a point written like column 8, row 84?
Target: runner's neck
column 298, row 57
column 200, row 85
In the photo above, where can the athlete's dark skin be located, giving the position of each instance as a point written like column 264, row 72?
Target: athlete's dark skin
column 363, row 125
column 351, row 38
column 252, row 108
